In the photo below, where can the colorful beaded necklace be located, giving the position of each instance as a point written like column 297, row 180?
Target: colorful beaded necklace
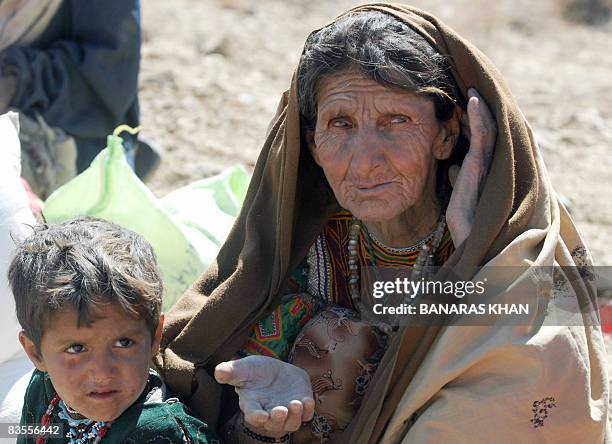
column 424, row 260
column 81, row 431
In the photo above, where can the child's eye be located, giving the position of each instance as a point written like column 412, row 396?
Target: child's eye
column 75, row 349
column 124, row 342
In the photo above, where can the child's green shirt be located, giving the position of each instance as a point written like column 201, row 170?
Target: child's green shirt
column 153, row 418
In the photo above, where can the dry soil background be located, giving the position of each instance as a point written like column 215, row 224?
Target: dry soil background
column 213, row 71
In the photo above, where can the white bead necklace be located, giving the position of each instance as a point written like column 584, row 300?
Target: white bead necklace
column 424, row 259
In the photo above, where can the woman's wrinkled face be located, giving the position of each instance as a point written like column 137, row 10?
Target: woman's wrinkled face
column 377, row 146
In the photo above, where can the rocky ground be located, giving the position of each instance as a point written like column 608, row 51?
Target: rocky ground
column 213, row 71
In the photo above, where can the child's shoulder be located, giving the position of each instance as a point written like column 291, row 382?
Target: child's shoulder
column 171, row 422
column 39, row 382
column 38, row 394
column 160, row 417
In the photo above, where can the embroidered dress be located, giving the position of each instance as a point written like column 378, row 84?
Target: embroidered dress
column 323, row 279
column 153, row 418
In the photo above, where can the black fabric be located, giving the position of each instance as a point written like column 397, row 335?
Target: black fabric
column 81, row 75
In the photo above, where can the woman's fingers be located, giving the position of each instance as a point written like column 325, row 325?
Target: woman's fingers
column 294, row 418
column 278, row 417
column 289, row 419
column 308, row 411
column 484, row 132
column 486, row 116
column 253, row 412
column 453, row 173
column 465, row 125
column 481, row 123
column 231, row 372
column 478, row 129
column 224, row 372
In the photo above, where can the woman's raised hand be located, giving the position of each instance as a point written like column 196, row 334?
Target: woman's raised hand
column 480, row 128
column 275, row 396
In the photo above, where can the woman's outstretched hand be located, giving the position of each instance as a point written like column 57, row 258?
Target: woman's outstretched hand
column 274, row 396
column 479, row 127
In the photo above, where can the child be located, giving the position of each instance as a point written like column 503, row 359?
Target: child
column 88, row 295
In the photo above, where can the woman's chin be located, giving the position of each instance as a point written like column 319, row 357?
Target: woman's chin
column 375, row 211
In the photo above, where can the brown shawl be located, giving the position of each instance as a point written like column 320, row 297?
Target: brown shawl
column 286, row 206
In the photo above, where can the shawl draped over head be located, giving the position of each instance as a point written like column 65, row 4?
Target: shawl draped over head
column 529, row 383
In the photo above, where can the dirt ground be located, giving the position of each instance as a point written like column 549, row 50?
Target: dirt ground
column 213, row 71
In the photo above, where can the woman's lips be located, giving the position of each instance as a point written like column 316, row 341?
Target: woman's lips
column 373, row 188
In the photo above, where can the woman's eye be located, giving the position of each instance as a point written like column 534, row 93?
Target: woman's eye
column 124, row 342
column 340, row 123
column 75, row 349
column 399, row 119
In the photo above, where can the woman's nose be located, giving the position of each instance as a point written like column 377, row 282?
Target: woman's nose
column 367, row 149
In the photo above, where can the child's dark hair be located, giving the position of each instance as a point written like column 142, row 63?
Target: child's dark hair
column 80, row 264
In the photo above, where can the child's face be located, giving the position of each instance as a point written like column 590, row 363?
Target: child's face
column 99, row 370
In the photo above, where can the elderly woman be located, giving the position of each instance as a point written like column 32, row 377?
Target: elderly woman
column 361, row 168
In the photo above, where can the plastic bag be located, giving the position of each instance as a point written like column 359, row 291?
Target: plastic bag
column 182, row 228
column 15, row 216
column 210, row 206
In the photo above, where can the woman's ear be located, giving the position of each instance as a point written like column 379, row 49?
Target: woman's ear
column 32, row 351
column 309, row 136
column 448, row 136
